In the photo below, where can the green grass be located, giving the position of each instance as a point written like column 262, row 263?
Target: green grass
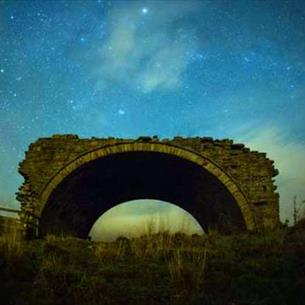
column 155, row 269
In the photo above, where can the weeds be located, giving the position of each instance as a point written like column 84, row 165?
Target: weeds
column 10, row 240
column 157, row 268
column 186, row 269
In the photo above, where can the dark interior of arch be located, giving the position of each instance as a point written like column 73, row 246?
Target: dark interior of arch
column 92, row 189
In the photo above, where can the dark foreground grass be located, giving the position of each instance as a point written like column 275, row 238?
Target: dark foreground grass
column 155, row 269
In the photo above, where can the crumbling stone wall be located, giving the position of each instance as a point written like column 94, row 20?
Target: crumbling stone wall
column 252, row 171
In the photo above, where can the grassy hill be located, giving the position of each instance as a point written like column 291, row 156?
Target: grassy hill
column 156, row 269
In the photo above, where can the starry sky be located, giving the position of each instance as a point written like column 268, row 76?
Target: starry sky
column 225, row 69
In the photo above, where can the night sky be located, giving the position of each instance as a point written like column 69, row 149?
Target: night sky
column 225, row 69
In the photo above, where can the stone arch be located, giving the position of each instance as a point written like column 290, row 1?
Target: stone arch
column 205, row 163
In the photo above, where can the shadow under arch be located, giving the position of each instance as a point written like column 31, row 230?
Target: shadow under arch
column 100, row 179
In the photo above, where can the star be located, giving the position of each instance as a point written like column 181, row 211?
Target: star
column 2, row 70
column 144, row 10
column 121, row 112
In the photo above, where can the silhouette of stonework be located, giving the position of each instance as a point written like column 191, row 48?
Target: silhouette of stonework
column 70, row 182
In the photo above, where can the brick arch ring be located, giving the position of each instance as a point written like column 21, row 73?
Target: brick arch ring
column 202, row 161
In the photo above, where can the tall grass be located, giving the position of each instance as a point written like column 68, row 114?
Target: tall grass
column 156, row 268
column 11, row 238
column 186, row 269
column 185, row 262
column 156, row 241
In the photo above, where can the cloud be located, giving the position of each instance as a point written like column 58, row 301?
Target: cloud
column 147, row 50
column 289, row 155
column 138, row 217
column 140, row 207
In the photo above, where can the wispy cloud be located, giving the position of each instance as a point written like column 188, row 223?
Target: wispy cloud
column 148, row 46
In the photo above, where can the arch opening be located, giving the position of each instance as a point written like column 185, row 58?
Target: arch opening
column 143, row 217
column 94, row 187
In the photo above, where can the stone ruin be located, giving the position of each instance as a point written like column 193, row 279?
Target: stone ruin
column 69, row 182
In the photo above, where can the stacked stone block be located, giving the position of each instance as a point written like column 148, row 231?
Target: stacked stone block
column 252, row 171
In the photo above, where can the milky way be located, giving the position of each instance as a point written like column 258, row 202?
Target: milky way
column 193, row 68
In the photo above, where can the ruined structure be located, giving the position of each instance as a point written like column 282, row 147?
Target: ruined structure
column 70, row 182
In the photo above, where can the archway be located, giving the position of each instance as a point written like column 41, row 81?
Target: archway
column 93, row 183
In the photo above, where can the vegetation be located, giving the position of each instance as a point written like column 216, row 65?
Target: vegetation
column 155, row 269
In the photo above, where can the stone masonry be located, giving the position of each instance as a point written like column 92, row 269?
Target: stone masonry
column 250, row 170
